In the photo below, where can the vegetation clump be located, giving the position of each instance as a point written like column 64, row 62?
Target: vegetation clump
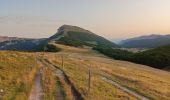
column 51, row 48
column 158, row 58
column 17, row 74
column 49, row 84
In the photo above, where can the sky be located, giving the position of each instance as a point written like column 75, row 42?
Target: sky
column 113, row 19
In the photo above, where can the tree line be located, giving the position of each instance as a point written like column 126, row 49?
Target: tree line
column 158, row 58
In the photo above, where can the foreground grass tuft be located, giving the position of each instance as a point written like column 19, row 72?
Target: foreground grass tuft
column 16, row 75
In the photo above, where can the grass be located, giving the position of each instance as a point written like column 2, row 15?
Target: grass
column 49, row 82
column 52, row 83
column 147, row 81
column 16, row 75
column 66, row 89
column 77, row 71
column 17, row 71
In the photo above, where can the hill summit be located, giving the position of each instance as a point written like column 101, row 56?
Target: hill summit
column 76, row 36
column 63, row 30
column 67, row 28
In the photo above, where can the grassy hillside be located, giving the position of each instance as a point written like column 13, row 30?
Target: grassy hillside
column 77, row 71
column 18, row 76
column 149, row 82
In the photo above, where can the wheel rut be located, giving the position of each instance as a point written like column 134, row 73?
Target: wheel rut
column 36, row 91
column 61, row 74
column 128, row 91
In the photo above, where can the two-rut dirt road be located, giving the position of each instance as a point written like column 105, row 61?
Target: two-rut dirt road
column 59, row 93
column 37, row 92
column 75, row 94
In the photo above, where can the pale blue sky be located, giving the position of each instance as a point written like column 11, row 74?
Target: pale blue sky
column 109, row 18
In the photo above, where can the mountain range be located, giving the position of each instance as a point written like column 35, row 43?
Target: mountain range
column 148, row 41
column 66, row 34
column 79, row 37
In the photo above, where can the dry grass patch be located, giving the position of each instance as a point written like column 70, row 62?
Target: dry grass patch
column 147, row 81
column 49, row 82
column 17, row 71
column 150, row 82
column 77, row 71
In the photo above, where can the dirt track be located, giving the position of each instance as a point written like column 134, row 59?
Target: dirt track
column 130, row 92
column 76, row 95
column 36, row 92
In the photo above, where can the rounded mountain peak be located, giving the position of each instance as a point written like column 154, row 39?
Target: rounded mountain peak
column 70, row 28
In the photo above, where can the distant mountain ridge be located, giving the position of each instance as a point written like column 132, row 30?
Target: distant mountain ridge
column 149, row 41
column 20, row 44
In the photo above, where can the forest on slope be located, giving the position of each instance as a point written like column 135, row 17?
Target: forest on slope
column 158, row 58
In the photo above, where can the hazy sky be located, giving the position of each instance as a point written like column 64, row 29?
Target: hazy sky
column 110, row 18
